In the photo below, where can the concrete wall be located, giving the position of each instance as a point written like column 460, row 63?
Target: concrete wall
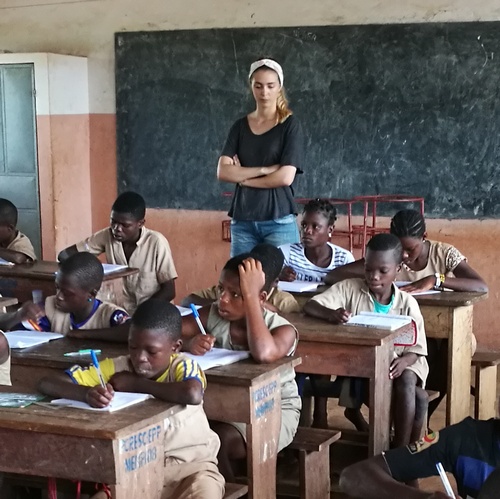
column 86, row 28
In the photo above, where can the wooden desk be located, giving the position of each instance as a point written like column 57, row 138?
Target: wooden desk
column 449, row 315
column 88, row 446
column 351, row 351
column 20, row 280
column 246, row 392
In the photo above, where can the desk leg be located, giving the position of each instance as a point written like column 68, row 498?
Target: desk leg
column 380, row 401
column 262, row 438
column 140, row 471
column 459, row 365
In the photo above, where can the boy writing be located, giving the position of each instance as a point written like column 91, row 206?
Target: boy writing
column 128, row 242
column 155, row 366
column 377, row 293
column 15, row 247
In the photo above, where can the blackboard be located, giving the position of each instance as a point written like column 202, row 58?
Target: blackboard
column 407, row 109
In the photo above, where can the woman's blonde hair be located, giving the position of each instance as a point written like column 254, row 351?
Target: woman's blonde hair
column 282, row 108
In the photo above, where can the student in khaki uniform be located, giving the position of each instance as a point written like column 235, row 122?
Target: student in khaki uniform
column 377, row 293
column 272, row 260
column 155, row 366
column 75, row 311
column 27, row 311
column 239, row 321
column 15, row 247
column 128, row 242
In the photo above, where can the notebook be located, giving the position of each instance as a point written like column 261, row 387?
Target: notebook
column 298, row 286
column 185, row 310
column 406, row 338
column 110, row 268
column 400, row 284
column 24, row 339
column 219, row 357
column 121, row 400
column 5, row 262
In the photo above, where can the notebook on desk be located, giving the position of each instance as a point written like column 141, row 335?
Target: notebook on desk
column 298, row 286
column 109, row 268
column 407, row 337
column 25, row 339
column 400, row 284
column 121, row 400
column 218, row 357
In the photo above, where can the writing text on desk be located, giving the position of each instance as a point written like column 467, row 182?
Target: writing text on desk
column 264, row 399
column 141, row 448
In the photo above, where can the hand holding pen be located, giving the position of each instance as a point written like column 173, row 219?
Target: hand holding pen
column 201, row 343
column 102, row 394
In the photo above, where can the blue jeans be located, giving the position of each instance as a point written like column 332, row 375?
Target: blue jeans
column 246, row 234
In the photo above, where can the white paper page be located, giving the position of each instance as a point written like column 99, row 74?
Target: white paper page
column 24, row 339
column 121, row 400
column 185, row 310
column 298, row 286
column 5, row 262
column 218, row 357
column 400, row 284
column 110, row 268
column 382, row 321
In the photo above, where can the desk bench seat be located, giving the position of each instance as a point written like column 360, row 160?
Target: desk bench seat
column 313, row 445
column 486, row 365
column 235, row 490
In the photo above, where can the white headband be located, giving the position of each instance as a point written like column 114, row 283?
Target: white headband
column 269, row 63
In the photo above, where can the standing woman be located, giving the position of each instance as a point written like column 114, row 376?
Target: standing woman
column 262, row 155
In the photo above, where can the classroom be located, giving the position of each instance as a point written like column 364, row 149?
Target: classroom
column 76, row 137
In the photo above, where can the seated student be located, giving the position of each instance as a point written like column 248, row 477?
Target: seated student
column 27, row 311
column 238, row 321
column 128, row 242
column 470, row 450
column 75, row 311
column 377, row 293
column 311, row 259
column 15, row 247
column 155, row 366
column 271, row 259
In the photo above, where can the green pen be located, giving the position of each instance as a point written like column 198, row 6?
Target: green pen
column 81, row 352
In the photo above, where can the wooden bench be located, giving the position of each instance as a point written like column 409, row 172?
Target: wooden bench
column 313, row 445
column 235, row 490
column 486, row 364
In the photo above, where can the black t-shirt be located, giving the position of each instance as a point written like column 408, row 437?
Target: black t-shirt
column 470, row 450
column 283, row 145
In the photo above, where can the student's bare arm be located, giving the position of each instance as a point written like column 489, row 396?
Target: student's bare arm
column 185, row 392
column 196, row 300
column 229, row 171
column 314, row 309
column 280, row 178
column 14, row 256
column 354, row 269
column 371, row 479
column 60, row 385
column 67, row 252
column 192, row 339
column 166, row 291
column 116, row 334
column 466, row 279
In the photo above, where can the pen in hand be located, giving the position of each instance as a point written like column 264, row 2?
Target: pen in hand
column 444, row 479
column 95, row 362
column 197, row 318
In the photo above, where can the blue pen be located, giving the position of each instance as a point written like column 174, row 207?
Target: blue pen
column 197, row 318
column 97, row 368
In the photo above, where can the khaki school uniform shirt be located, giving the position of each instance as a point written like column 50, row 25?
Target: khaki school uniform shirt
column 152, row 257
column 5, row 371
column 23, row 245
column 284, row 302
column 354, row 296
column 443, row 259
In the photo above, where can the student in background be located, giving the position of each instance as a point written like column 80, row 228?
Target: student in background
column 238, row 321
column 377, row 293
column 271, row 259
column 128, row 242
column 75, row 311
column 263, row 153
column 15, row 247
column 311, row 259
column 155, row 366
column 470, row 450
column 27, row 311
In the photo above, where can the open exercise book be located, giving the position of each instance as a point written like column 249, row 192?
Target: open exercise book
column 298, row 286
column 400, row 284
column 110, row 268
column 218, row 357
column 24, row 339
column 186, row 310
column 121, row 400
column 407, row 337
